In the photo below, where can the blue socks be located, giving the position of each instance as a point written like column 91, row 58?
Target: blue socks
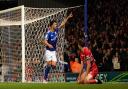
column 47, row 69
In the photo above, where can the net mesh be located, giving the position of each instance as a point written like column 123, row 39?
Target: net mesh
column 34, row 32
column 35, row 23
column 10, row 54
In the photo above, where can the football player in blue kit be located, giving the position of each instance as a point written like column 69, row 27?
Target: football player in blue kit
column 50, row 41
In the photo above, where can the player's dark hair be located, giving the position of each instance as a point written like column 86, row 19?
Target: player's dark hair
column 81, row 42
column 51, row 22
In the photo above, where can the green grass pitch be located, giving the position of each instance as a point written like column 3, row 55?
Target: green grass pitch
column 63, row 86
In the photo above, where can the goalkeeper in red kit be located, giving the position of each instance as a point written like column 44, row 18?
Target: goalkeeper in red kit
column 88, row 63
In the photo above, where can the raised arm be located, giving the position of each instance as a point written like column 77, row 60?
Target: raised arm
column 65, row 20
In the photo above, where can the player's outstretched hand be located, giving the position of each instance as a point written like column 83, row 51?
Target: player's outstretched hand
column 78, row 79
column 70, row 15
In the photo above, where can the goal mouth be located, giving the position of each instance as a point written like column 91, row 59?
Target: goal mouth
column 21, row 31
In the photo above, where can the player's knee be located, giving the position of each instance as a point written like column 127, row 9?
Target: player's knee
column 89, row 77
column 49, row 63
column 53, row 63
column 86, row 81
column 81, row 82
column 53, row 66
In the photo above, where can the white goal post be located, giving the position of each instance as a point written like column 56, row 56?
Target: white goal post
column 21, row 30
column 21, row 54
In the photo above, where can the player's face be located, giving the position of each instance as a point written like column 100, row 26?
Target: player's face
column 54, row 25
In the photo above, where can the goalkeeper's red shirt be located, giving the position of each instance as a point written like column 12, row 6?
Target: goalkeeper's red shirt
column 88, row 57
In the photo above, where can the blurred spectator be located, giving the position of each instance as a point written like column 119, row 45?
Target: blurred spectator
column 108, row 33
column 75, row 66
column 116, row 62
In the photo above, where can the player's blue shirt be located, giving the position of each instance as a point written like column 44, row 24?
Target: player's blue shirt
column 51, row 37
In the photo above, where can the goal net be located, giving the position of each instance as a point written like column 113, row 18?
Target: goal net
column 21, row 54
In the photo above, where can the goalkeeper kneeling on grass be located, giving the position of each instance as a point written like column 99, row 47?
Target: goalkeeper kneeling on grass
column 89, row 75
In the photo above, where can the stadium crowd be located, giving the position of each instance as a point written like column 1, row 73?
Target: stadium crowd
column 108, row 35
